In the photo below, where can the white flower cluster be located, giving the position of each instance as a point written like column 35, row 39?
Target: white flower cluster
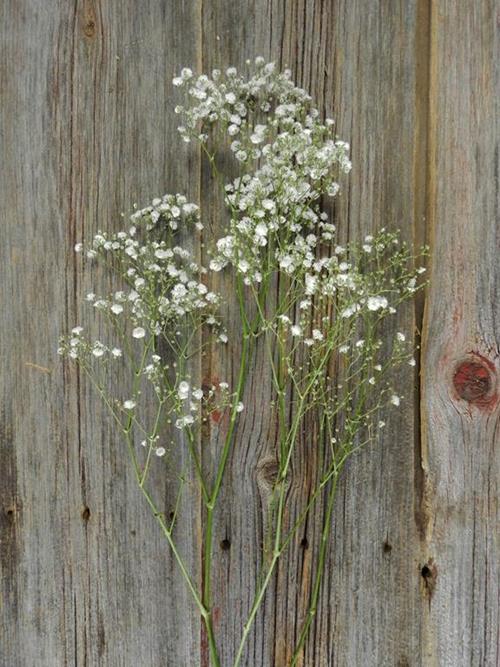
column 171, row 211
column 330, row 297
column 299, row 156
column 163, row 280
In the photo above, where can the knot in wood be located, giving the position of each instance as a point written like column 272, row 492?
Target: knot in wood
column 474, row 381
column 267, row 474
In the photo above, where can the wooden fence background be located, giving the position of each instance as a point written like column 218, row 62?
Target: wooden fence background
column 87, row 128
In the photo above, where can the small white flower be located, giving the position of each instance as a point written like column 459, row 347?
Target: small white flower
column 90, row 296
column 183, row 390
column 296, row 330
column 117, row 308
column 98, row 350
column 317, row 335
column 240, row 407
column 163, row 254
column 129, row 405
column 376, row 302
column 223, row 386
column 223, row 338
column 395, row 400
column 377, row 367
column 412, row 362
column 360, row 343
column 160, row 451
column 401, row 337
column 138, row 332
column 381, row 424
column 371, row 380
column 184, row 421
column 116, row 352
column 198, row 394
column 343, row 349
column 261, row 230
column 77, row 330
column 78, row 247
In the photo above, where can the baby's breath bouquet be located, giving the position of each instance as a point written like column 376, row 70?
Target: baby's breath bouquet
column 312, row 307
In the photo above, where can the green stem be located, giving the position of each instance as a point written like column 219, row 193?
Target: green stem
column 319, row 572
column 212, row 499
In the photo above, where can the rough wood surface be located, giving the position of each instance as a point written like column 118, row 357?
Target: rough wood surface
column 461, row 380
column 87, row 129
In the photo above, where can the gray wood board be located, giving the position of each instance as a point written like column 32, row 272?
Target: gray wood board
column 87, row 129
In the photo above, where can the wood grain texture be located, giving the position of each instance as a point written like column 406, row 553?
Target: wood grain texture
column 87, row 129
column 461, row 408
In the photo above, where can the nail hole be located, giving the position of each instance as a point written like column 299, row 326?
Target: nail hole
column 86, row 513
column 171, row 514
column 387, row 547
column 304, row 543
column 429, row 574
column 425, row 572
column 225, row 544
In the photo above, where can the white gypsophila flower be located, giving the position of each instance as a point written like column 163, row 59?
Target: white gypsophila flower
column 343, row 349
column 116, row 352
column 395, row 400
column 296, row 330
column 98, row 349
column 412, row 362
column 400, row 337
column 239, row 407
column 116, row 308
column 376, row 302
column 77, row 330
column 160, row 451
column 129, row 405
column 317, row 335
column 90, row 296
column 198, row 394
column 183, row 390
column 78, row 247
column 138, row 332
column 224, row 386
column 187, row 420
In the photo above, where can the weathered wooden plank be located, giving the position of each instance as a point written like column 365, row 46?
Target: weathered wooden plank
column 461, row 410
column 87, row 129
column 359, row 62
